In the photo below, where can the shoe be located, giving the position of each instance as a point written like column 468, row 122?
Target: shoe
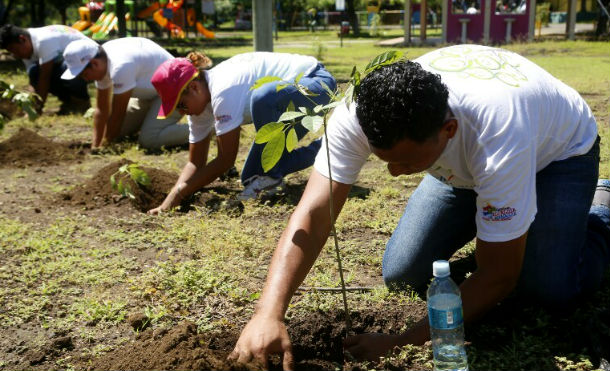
column 259, row 185
column 602, row 193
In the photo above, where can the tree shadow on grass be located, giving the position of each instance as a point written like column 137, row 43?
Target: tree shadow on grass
column 293, row 192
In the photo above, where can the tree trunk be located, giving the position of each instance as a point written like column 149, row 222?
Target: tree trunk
column 120, row 13
column 42, row 13
column 5, row 12
column 352, row 17
column 64, row 17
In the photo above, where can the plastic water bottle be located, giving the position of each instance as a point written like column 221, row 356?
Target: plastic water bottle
column 446, row 320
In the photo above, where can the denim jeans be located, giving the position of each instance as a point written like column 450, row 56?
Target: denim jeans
column 568, row 244
column 62, row 89
column 267, row 105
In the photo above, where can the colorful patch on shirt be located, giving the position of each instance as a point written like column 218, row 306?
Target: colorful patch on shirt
column 117, row 85
column 479, row 64
column 222, row 118
column 493, row 214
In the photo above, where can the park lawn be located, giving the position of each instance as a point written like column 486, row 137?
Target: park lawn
column 70, row 271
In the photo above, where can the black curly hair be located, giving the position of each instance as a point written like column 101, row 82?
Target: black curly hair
column 10, row 34
column 401, row 100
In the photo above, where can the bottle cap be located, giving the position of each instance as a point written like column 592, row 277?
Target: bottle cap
column 440, row 268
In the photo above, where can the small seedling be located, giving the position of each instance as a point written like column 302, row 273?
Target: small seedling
column 26, row 101
column 281, row 134
column 133, row 171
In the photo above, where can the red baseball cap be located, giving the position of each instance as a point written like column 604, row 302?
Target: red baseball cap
column 170, row 79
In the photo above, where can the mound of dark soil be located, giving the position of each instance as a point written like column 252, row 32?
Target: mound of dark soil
column 97, row 192
column 317, row 343
column 26, row 148
column 180, row 348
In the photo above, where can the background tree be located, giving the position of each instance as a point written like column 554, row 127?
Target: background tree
column 62, row 6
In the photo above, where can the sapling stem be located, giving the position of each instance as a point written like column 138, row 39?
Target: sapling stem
column 348, row 321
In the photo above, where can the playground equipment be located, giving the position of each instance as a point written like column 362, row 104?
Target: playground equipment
column 488, row 22
column 170, row 15
column 103, row 25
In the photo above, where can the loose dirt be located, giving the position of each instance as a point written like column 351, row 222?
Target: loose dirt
column 26, row 148
column 317, row 343
column 97, row 192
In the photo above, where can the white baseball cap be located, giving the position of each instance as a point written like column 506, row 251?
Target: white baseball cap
column 77, row 55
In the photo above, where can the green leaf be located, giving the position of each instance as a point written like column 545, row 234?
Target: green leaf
column 290, row 106
column 279, row 87
column 127, row 192
column 303, row 109
column 268, row 132
column 331, row 93
column 121, row 187
column 332, row 105
column 291, row 140
column 298, row 78
column 264, row 80
column 318, row 108
column 139, row 176
column 113, row 181
column 273, row 152
column 382, row 60
column 312, row 123
column 124, row 169
column 305, row 91
column 290, row 115
column 32, row 114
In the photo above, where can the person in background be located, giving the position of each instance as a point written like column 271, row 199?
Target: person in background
column 126, row 100
column 220, row 100
column 41, row 50
column 512, row 156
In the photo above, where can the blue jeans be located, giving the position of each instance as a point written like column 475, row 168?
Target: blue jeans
column 267, row 105
column 62, row 89
column 568, row 244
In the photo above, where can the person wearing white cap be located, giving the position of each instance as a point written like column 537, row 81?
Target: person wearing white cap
column 123, row 68
column 41, row 51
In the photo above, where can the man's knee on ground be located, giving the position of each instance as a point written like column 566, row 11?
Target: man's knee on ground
column 398, row 280
column 149, row 141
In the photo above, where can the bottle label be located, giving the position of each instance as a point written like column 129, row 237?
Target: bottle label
column 445, row 319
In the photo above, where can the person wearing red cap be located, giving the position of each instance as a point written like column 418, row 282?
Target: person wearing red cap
column 220, row 100
column 123, row 68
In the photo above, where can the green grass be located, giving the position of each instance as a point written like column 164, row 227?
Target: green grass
column 85, row 273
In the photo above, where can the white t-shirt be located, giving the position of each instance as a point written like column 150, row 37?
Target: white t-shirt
column 514, row 119
column 132, row 61
column 230, row 83
column 49, row 42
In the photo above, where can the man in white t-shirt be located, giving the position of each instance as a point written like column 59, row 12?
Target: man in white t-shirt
column 41, row 50
column 512, row 155
column 126, row 100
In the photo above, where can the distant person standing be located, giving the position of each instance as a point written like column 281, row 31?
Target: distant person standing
column 123, row 68
column 41, row 50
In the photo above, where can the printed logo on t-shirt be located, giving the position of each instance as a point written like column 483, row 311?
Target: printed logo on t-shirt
column 494, row 214
column 118, row 85
column 480, row 64
column 222, row 118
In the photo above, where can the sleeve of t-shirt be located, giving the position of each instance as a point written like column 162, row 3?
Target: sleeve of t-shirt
column 229, row 108
column 123, row 78
column 200, row 126
column 105, row 83
column 348, row 146
column 505, row 177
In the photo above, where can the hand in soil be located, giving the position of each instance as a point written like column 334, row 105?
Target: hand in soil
column 370, row 347
column 261, row 338
column 172, row 200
